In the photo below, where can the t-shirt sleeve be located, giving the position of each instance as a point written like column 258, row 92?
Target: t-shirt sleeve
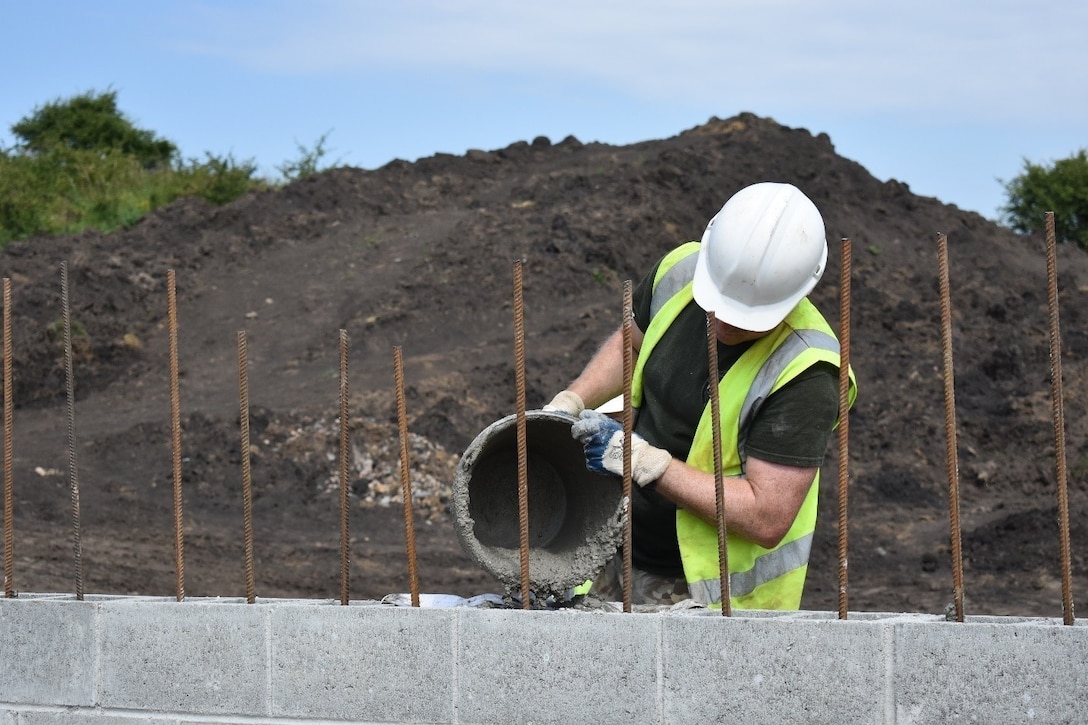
column 794, row 425
column 641, row 298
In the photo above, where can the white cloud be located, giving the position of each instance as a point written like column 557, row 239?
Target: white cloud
column 996, row 60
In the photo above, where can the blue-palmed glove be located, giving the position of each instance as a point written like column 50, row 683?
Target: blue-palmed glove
column 602, row 440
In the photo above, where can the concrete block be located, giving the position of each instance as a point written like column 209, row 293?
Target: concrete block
column 563, row 666
column 740, row 669
column 991, row 673
column 363, row 663
column 90, row 717
column 47, row 652
column 184, row 657
column 7, row 717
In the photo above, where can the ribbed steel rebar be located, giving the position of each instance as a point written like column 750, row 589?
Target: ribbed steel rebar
column 175, row 434
column 247, row 467
column 9, row 512
column 844, row 422
column 628, row 427
column 405, row 478
column 345, row 505
column 719, row 482
column 73, row 478
column 951, row 446
column 523, row 458
column 1057, row 398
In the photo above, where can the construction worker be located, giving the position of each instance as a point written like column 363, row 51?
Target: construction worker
column 778, row 384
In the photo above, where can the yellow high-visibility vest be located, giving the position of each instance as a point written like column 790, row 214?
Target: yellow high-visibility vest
column 759, row 578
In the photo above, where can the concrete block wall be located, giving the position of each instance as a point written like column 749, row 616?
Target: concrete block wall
column 127, row 660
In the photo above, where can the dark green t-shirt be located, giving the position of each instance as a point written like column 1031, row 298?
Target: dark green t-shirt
column 792, row 427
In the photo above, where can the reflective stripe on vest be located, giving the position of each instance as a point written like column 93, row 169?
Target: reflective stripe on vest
column 770, row 566
column 671, row 286
column 672, row 281
column 775, row 365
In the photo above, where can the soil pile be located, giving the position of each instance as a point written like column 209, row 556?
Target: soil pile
column 420, row 256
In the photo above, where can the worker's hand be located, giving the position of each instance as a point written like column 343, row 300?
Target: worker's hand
column 602, row 439
column 567, row 402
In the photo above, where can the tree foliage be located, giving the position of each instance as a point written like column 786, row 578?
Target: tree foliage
column 1062, row 188
column 90, row 122
column 79, row 162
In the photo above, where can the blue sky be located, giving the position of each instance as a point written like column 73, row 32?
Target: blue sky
column 949, row 97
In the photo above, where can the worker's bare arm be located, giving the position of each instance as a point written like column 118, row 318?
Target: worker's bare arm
column 760, row 506
column 602, row 378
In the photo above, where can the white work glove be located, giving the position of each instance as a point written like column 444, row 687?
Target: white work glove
column 567, row 402
column 602, row 440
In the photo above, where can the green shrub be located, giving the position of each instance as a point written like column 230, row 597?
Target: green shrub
column 218, row 179
column 64, row 190
column 81, row 163
column 90, row 122
column 1061, row 188
column 20, row 214
column 308, row 162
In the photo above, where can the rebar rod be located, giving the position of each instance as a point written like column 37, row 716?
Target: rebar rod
column 405, row 479
column 175, row 434
column 719, row 482
column 345, row 505
column 1059, row 419
column 247, row 466
column 844, row 423
column 951, row 447
column 73, row 478
column 628, row 427
column 523, row 462
column 9, row 513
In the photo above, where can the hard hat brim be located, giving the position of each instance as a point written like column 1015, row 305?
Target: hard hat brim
column 763, row 318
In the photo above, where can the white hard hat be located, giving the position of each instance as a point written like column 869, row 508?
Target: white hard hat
column 760, row 255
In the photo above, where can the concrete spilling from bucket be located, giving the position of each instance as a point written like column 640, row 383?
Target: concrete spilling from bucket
column 575, row 515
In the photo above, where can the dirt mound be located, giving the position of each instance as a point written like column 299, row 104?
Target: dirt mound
column 420, row 256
